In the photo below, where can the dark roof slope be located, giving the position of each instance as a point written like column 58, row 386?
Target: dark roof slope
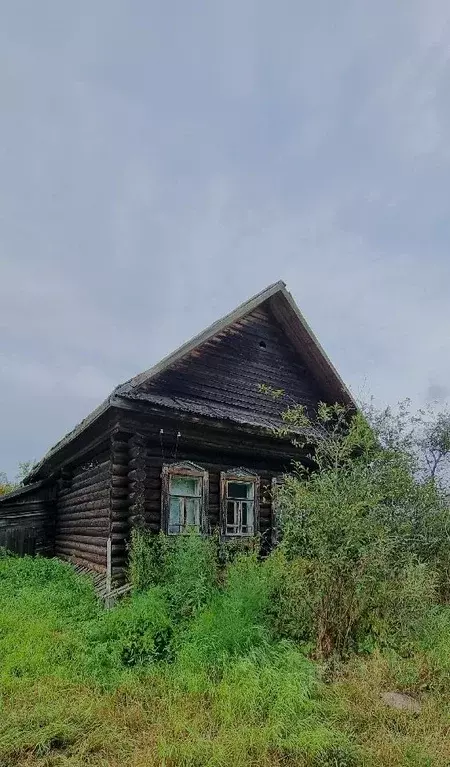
column 19, row 491
column 292, row 322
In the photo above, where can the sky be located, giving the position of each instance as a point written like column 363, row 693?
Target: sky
column 162, row 161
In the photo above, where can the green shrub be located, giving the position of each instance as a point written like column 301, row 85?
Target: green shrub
column 190, row 574
column 349, row 532
column 229, row 549
column 185, row 567
column 146, row 559
column 433, row 650
column 136, row 632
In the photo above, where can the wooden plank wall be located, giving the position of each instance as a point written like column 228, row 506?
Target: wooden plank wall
column 229, row 367
column 83, row 511
column 26, row 524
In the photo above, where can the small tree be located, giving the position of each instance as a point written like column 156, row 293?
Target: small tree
column 24, row 469
column 5, row 485
column 424, row 435
column 350, row 529
column 434, row 441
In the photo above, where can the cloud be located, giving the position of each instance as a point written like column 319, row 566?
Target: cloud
column 158, row 166
column 438, row 393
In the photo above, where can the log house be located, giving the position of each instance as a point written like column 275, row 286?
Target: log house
column 189, row 443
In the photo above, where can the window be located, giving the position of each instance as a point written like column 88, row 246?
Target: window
column 240, row 502
column 184, row 497
column 240, row 508
column 184, row 503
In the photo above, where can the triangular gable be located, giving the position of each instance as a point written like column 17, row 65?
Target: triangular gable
column 266, row 340
column 309, row 362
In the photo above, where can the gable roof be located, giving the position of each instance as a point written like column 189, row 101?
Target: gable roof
column 294, row 325
column 205, row 335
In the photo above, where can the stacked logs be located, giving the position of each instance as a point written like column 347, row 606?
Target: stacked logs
column 82, row 525
column 119, row 521
column 136, row 480
column 153, row 486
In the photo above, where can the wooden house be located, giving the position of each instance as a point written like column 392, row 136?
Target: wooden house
column 188, row 443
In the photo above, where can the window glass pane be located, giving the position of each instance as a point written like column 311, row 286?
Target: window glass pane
column 240, row 490
column 247, row 517
column 175, row 520
column 187, row 486
column 231, row 513
column 192, row 512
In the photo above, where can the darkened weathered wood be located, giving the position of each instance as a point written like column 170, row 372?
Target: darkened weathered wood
column 213, row 461
column 83, row 509
column 26, row 521
column 92, row 486
column 100, row 499
column 76, row 537
column 84, row 549
column 95, row 563
column 120, row 469
column 229, row 368
column 205, row 407
column 136, row 478
column 89, row 476
column 207, row 435
column 119, row 513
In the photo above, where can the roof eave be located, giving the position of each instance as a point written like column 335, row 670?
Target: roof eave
column 23, row 490
column 72, row 435
column 342, row 393
column 277, row 290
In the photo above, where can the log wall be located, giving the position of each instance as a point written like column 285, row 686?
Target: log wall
column 213, row 464
column 213, row 450
column 120, row 523
column 83, row 511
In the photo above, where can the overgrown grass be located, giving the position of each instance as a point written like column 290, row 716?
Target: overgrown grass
column 182, row 674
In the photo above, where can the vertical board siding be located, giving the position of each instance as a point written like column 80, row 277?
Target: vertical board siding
column 83, row 512
column 26, row 523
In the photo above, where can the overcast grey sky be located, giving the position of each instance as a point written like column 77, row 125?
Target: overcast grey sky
column 160, row 162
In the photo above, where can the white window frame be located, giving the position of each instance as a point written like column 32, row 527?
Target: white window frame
column 190, row 471
column 240, row 474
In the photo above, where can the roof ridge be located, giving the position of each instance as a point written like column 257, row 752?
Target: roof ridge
column 286, row 312
column 193, row 343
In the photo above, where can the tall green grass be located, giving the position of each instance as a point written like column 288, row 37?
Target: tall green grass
column 182, row 674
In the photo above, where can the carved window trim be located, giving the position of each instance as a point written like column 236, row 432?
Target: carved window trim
column 239, row 474
column 183, row 469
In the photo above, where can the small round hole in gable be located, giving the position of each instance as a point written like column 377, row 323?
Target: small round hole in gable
column 262, row 344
